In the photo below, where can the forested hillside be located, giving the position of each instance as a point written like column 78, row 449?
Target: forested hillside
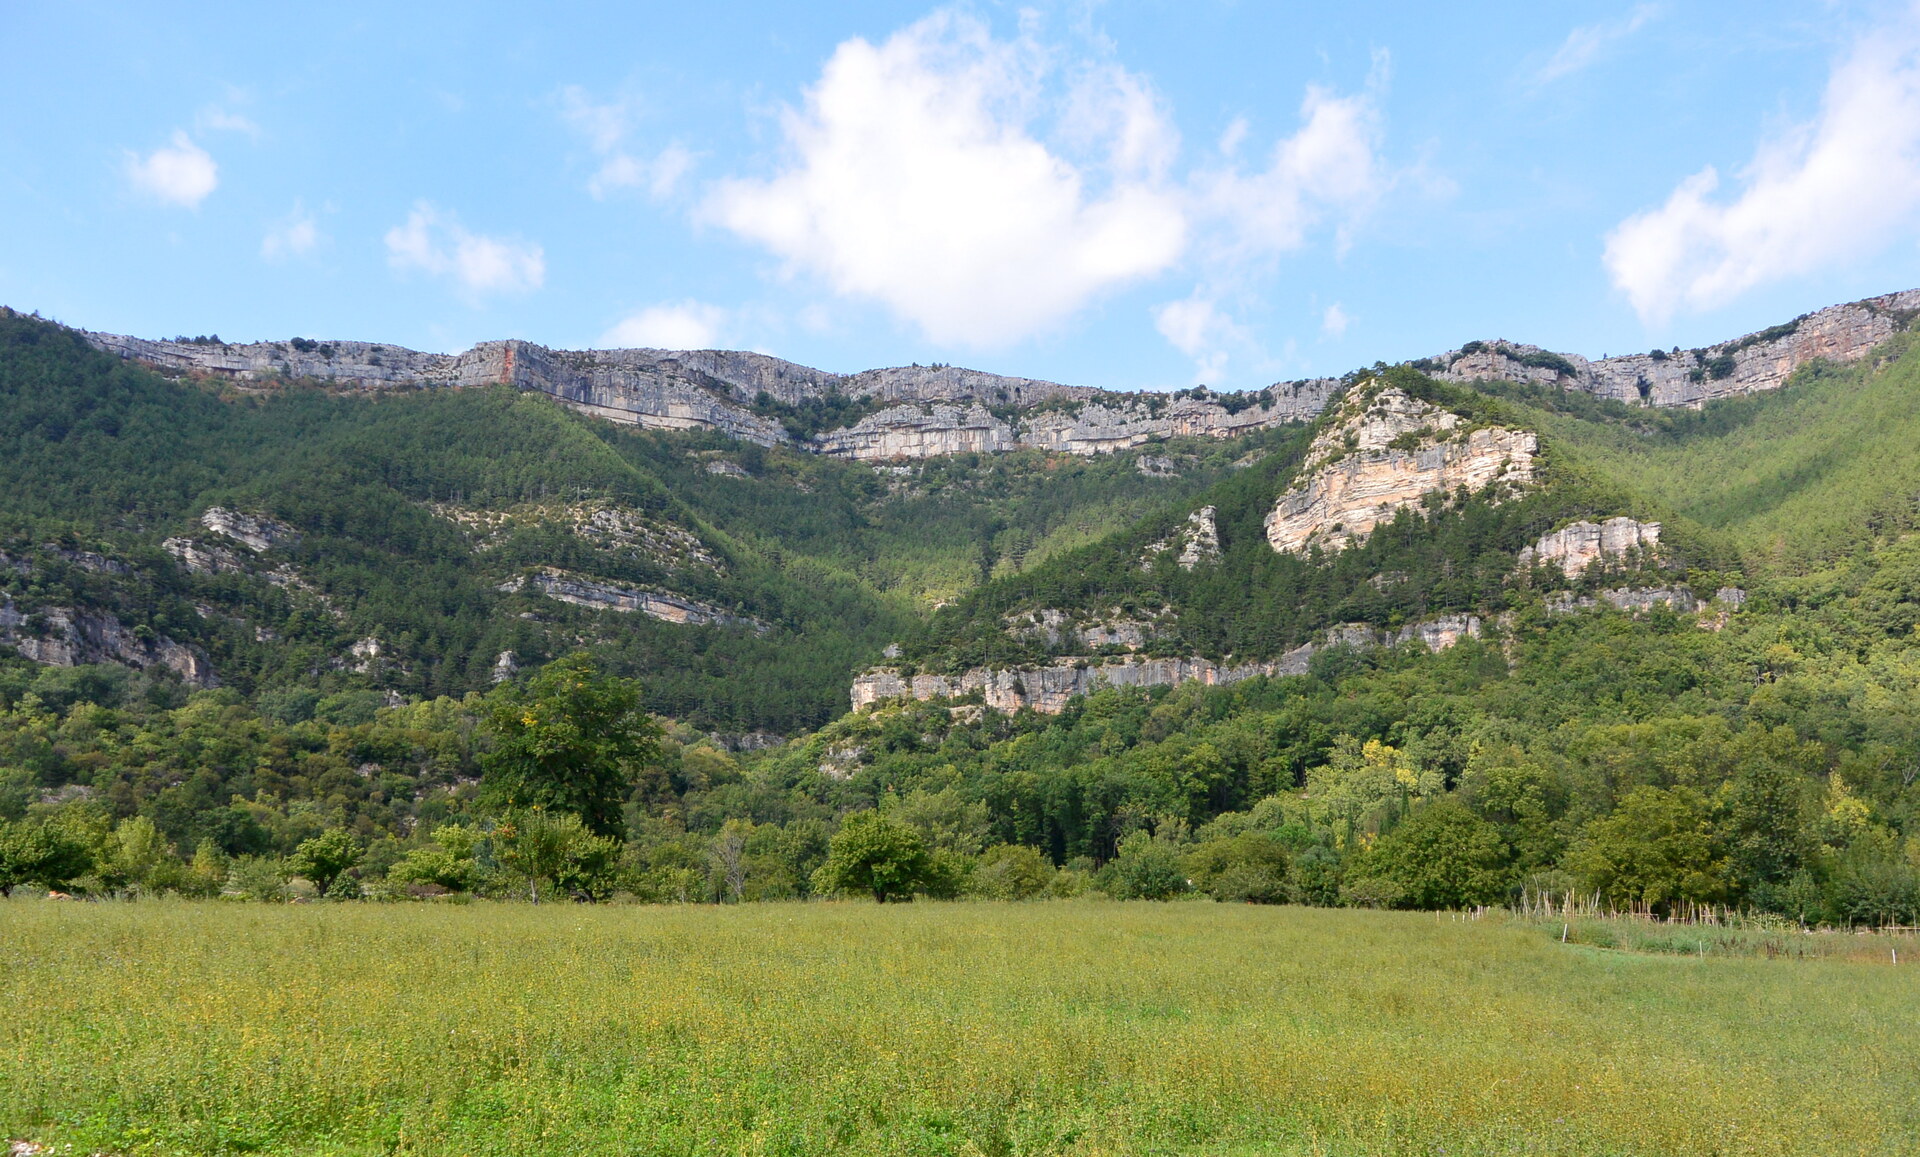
column 1542, row 643
column 407, row 513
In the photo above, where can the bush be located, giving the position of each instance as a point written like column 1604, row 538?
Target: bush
column 1145, row 869
column 1012, row 872
column 1250, row 868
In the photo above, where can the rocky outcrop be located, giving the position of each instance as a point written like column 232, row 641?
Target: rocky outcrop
column 1197, row 540
column 566, row 587
column 1640, row 600
column 1060, row 631
column 67, row 637
column 915, row 431
column 254, row 532
column 1578, row 546
column 1387, row 452
column 201, row 558
column 1049, row 689
column 1745, row 365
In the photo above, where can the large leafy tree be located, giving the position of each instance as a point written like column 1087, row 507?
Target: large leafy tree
column 40, row 853
column 1442, row 856
column 877, row 855
column 571, row 740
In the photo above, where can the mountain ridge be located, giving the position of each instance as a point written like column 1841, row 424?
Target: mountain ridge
column 912, row 412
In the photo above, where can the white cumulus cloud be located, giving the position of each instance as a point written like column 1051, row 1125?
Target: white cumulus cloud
column 434, row 242
column 916, row 179
column 1200, row 329
column 683, row 325
column 1328, row 170
column 1823, row 193
column 179, row 174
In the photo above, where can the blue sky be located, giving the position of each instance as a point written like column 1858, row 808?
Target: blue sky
column 1129, row 195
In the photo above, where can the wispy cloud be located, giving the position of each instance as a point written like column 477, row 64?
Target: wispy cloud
column 434, row 242
column 1334, row 322
column 1814, row 196
column 181, row 173
column 1587, row 43
column 606, row 126
column 296, row 235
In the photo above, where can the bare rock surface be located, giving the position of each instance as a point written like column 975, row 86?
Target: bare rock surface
column 1386, row 453
column 67, row 637
column 916, row 431
column 566, row 587
column 1578, row 546
column 254, row 532
column 1197, row 540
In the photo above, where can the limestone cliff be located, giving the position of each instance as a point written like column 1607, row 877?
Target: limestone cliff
column 1578, row 546
column 937, row 409
column 1384, row 452
column 977, row 412
column 1750, row 364
column 915, row 431
column 1048, row 689
column 67, row 637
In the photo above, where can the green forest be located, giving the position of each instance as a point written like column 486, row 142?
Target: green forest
column 1763, row 759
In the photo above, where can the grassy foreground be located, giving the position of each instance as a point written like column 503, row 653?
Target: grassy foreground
column 954, row 1029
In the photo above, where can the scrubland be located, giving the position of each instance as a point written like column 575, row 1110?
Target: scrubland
column 1077, row 1028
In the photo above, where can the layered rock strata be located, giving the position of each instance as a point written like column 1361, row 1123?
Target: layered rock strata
column 915, row 431
column 1048, row 689
column 1745, row 365
column 718, row 390
column 1578, row 546
column 566, row 587
column 1388, row 452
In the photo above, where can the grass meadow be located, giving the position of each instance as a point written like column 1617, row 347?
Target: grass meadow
column 1074, row 1028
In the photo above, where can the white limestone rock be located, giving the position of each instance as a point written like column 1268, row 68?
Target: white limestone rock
column 1580, row 545
column 255, row 532
column 1385, row 453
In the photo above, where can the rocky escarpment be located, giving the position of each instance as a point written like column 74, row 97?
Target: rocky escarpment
column 1745, row 365
column 1385, row 452
column 977, row 412
column 67, row 637
column 564, row 586
column 917, row 431
column 1048, row 689
column 936, row 410
column 1576, row 547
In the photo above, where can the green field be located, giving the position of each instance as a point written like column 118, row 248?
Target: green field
column 1078, row 1027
